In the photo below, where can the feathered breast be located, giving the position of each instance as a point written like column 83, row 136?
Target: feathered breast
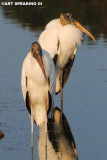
column 69, row 35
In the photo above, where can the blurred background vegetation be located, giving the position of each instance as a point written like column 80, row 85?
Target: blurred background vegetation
column 90, row 13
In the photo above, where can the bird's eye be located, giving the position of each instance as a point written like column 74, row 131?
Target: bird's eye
column 67, row 16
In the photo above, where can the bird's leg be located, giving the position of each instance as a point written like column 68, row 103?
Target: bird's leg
column 61, row 92
column 32, row 152
column 52, row 110
column 46, row 133
column 32, row 130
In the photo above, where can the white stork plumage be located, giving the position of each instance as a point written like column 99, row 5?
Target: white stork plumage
column 38, row 81
column 61, row 38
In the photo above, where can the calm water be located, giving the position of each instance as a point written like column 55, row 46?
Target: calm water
column 85, row 95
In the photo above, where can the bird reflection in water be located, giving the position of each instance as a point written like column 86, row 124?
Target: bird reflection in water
column 59, row 142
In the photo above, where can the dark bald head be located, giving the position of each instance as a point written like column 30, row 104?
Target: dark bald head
column 36, row 48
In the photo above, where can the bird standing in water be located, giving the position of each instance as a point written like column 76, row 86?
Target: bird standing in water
column 38, row 81
column 61, row 38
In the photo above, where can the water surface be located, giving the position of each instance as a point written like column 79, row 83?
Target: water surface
column 85, row 94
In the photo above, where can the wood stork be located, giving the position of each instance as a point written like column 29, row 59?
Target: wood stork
column 38, row 81
column 61, row 38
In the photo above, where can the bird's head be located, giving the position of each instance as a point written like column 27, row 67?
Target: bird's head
column 36, row 52
column 67, row 18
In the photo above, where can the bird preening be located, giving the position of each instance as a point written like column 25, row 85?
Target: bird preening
column 47, row 66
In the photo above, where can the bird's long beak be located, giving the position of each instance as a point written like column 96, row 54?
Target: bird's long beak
column 39, row 60
column 83, row 29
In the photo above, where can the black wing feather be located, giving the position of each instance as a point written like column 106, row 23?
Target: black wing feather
column 50, row 102
column 28, row 102
column 67, row 70
column 27, row 99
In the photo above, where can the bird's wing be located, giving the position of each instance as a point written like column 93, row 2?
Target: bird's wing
column 23, row 81
column 52, row 79
column 49, row 38
column 67, row 68
column 52, row 23
column 50, row 72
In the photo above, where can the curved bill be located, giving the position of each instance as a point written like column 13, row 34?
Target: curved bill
column 39, row 60
column 83, row 29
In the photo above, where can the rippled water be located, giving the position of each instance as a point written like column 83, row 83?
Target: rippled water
column 85, row 95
